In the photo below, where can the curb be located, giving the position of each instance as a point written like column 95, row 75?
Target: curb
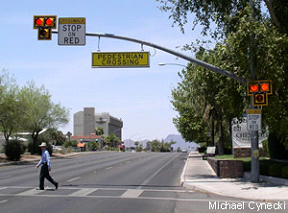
column 182, row 178
column 268, row 179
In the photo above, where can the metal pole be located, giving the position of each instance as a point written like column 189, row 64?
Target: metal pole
column 172, row 52
column 254, row 134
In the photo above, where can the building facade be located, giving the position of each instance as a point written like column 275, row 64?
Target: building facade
column 86, row 121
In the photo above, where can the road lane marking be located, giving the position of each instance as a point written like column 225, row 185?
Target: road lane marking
column 83, row 192
column 76, row 178
column 155, row 173
column 108, row 168
column 3, row 201
column 3, row 188
column 132, row 193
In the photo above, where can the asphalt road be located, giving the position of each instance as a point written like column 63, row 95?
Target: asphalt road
column 106, row 182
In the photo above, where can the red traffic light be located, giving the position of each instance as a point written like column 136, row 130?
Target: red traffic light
column 264, row 87
column 39, row 22
column 253, row 88
column 49, row 21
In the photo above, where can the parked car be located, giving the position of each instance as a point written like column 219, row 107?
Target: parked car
column 56, row 148
column 184, row 150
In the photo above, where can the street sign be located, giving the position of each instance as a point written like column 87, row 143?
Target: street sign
column 254, row 119
column 71, row 31
column 120, row 59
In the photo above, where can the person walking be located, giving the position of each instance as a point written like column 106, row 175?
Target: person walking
column 45, row 168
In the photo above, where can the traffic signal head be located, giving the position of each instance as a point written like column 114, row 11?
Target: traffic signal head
column 45, row 21
column 44, row 24
column 259, row 90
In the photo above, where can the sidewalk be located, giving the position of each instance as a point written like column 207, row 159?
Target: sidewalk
column 198, row 175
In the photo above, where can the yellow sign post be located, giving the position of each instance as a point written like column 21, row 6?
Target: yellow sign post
column 120, row 59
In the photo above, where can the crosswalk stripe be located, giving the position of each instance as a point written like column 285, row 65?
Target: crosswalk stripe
column 83, row 192
column 76, row 178
column 30, row 192
column 132, row 193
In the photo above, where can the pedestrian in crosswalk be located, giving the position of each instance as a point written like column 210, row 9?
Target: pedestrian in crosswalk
column 45, row 168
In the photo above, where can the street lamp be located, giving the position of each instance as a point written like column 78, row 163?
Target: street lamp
column 163, row 64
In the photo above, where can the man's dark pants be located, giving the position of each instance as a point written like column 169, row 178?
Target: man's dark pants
column 44, row 173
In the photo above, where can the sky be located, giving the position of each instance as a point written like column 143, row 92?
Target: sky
column 139, row 96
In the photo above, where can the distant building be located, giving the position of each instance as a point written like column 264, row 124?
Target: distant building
column 86, row 121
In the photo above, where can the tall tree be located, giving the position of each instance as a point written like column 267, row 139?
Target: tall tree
column 10, row 113
column 224, row 14
column 235, row 28
column 40, row 112
column 111, row 140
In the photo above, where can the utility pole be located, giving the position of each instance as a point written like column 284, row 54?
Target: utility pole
column 254, row 134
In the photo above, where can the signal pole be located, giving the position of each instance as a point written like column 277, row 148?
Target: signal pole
column 254, row 134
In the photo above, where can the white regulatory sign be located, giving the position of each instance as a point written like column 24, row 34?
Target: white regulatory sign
column 71, row 31
column 254, row 120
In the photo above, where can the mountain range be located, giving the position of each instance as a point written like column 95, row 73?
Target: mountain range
column 180, row 142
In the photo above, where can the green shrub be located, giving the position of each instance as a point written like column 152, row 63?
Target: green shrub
column 37, row 149
column 13, row 150
column 72, row 143
column 202, row 149
column 284, row 173
column 275, row 170
column 93, row 146
column 264, row 167
column 247, row 166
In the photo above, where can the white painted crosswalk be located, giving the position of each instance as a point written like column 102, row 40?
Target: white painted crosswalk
column 96, row 192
